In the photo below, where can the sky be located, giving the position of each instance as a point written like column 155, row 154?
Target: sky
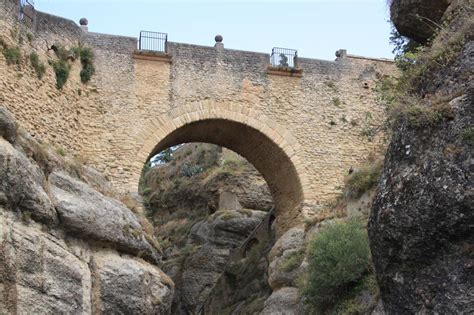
column 316, row 28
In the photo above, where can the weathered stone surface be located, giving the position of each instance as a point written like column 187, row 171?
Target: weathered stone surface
column 89, row 214
column 417, row 19
column 290, row 243
column 199, row 274
column 421, row 225
column 8, row 127
column 226, row 228
column 129, row 286
column 284, row 301
column 293, row 238
column 22, row 185
column 38, row 274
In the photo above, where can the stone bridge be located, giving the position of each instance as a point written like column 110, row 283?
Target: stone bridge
column 302, row 129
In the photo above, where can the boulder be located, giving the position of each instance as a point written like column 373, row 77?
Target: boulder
column 226, row 228
column 8, row 126
column 417, row 19
column 88, row 214
column 201, row 270
column 284, row 301
column 421, row 224
column 38, row 273
column 22, row 186
column 124, row 285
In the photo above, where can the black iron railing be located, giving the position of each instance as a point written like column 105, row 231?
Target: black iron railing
column 284, row 57
column 153, row 41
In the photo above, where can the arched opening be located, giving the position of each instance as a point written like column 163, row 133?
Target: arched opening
column 259, row 149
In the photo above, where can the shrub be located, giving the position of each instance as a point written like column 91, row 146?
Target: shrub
column 191, row 170
column 338, row 256
column 87, row 58
column 39, row 67
column 12, row 55
column 293, row 261
column 61, row 69
column 362, row 180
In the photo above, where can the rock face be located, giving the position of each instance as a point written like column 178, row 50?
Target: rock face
column 417, row 19
column 85, row 211
column 8, row 127
column 39, row 274
column 66, row 248
column 22, row 185
column 129, row 286
column 211, row 240
column 289, row 244
column 282, row 301
column 421, row 225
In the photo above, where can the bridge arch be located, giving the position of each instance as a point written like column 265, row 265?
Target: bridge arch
column 269, row 147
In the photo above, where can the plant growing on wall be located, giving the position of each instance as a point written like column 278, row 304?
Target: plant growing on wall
column 38, row 66
column 87, row 58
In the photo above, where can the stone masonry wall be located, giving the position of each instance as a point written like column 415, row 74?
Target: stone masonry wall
column 132, row 104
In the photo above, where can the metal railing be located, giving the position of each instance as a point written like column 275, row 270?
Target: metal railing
column 153, row 41
column 284, row 57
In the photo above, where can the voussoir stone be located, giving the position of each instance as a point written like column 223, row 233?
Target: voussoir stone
column 91, row 215
column 22, row 185
column 124, row 285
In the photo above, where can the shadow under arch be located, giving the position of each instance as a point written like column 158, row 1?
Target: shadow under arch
column 267, row 146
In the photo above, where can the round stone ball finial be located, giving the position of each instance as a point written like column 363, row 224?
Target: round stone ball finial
column 83, row 22
column 218, row 38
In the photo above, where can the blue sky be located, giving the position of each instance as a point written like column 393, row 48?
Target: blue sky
column 316, row 28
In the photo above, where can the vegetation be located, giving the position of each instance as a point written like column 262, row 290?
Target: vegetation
column 12, row 55
column 362, row 179
column 38, row 66
column 293, row 261
column 87, row 59
column 338, row 258
column 61, row 69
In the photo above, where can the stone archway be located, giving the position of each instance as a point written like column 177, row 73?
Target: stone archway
column 268, row 146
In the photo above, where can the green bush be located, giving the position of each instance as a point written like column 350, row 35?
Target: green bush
column 87, row 59
column 39, row 67
column 61, row 69
column 12, row 55
column 362, row 180
column 292, row 261
column 338, row 256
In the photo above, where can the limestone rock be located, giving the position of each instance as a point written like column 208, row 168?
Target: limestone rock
column 290, row 244
column 226, row 228
column 129, row 286
column 421, row 225
column 417, row 19
column 284, row 301
column 89, row 214
column 38, row 274
column 8, row 126
column 200, row 273
column 22, row 185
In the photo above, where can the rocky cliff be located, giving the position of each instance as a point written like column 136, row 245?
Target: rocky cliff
column 65, row 247
column 204, row 201
column 421, row 226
